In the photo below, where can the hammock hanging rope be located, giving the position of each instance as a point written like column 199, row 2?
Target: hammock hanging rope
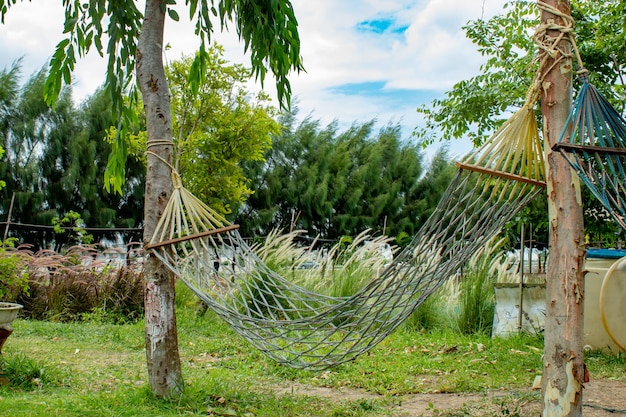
column 303, row 329
column 594, row 143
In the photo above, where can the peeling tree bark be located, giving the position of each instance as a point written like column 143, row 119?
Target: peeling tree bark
column 563, row 369
column 163, row 360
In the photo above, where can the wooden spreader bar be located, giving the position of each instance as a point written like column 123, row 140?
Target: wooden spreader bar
column 500, row 174
column 569, row 147
column 194, row 236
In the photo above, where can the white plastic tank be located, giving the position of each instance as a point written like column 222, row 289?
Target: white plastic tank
column 605, row 300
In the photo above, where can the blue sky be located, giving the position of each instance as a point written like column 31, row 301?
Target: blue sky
column 364, row 59
column 383, row 25
column 377, row 91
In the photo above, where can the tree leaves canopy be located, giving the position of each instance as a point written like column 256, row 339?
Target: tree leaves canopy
column 477, row 106
column 218, row 126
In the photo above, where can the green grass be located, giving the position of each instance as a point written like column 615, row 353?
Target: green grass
column 98, row 369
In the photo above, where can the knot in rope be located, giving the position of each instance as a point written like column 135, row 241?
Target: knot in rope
column 551, row 48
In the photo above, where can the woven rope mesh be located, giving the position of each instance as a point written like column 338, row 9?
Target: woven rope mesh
column 594, row 143
column 306, row 329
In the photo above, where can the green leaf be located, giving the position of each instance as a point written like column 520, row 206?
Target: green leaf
column 197, row 70
column 115, row 172
column 67, row 76
column 193, row 5
column 61, row 45
column 70, row 24
column 173, row 15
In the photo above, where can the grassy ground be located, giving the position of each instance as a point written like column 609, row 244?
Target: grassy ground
column 98, row 369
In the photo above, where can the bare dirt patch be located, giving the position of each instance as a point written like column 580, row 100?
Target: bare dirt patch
column 601, row 398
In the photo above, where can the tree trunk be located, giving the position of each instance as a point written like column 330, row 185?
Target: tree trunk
column 563, row 369
column 164, row 371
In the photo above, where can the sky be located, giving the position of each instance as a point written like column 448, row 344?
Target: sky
column 364, row 59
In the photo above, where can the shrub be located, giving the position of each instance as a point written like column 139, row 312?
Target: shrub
column 476, row 302
column 428, row 316
column 121, row 295
column 13, row 275
column 78, row 285
column 338, row 271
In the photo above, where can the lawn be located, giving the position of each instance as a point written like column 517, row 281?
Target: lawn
column 93, row 368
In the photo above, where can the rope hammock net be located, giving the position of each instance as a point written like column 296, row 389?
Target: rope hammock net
column 594, row 143
column 304, row 329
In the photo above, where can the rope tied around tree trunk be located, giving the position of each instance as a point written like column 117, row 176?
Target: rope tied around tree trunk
column 176, row 180
column 552, row 49
column 158, row 142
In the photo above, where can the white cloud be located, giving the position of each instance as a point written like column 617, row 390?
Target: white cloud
column 432, row 53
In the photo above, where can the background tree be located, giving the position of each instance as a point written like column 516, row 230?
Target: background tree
column 56, row 162
column 429, row 190
column 217, row 128
column 334, row 183
column 101, row 208
column 9, row 91
column 76, row 172
column 31, row 135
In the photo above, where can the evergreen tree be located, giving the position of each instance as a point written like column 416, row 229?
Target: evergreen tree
column 56, row 160
column 333, row 184
column 32, row 137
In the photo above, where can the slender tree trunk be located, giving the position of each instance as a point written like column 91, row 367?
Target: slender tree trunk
column 164, row 371
column 563, row 369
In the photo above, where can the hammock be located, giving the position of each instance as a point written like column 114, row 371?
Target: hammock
column 594, row 143
column 303, row 329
